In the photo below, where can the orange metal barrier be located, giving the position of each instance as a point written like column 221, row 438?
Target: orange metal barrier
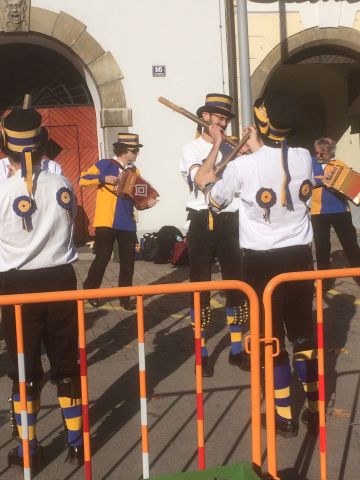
column 252, row 346
column 318, row 276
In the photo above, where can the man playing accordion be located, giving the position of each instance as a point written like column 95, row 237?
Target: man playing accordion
column 114, row 215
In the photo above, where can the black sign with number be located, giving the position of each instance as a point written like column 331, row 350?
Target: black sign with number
column 159, row 71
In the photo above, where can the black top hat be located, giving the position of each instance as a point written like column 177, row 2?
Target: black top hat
column 22, row 131
column 276, row 114
column 217, row 103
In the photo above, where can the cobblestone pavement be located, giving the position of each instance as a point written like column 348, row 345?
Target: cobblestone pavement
column 114, row 398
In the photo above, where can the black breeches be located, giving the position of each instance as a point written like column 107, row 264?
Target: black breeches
column 292, row 301
column 104, row 243
column 52, row 324
column 221, row 242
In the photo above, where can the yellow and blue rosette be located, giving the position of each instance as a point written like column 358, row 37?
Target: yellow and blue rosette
column 305, row 190
column 266, row 198
column 65, row 198
column 24, row 206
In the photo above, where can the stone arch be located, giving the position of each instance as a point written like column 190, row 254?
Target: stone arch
column 343, row 37
column 101, row 65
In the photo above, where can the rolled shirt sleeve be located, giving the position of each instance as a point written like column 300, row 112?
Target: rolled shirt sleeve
column 224, row 191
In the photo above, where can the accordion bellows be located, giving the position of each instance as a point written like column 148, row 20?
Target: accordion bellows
column 130, row 184
column 344, row 180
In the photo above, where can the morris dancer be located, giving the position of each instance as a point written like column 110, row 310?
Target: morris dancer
column 37, row 211
column 330, row 209
column 214, row 235
column 114, row 216
column 275, row 184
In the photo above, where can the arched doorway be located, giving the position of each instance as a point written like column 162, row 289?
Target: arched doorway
column 323, row 67
column 60, row 93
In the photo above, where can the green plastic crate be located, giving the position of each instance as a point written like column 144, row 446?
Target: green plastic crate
column 237, row 471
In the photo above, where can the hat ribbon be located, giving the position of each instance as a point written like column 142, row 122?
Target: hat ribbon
column 286, row 199
column 26, row 168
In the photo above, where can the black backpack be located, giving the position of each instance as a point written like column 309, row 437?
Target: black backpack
column 149, row 245
column 167, row 236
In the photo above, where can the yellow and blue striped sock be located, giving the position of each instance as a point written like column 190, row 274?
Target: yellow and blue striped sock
column 282, row 380
column 72, row 413
column 307, row 369
column 33, row 407
column 204, row 352
column 235, row 332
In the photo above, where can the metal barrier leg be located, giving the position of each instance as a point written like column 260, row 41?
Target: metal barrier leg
column 142, row 378
column 22, row 385
column 84, row 390
column 321, row 370
column 199, row 385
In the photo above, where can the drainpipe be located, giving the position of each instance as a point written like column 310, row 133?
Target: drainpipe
column 232, row 67
column 244, row 64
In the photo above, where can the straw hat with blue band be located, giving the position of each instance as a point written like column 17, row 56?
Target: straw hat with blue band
column 22, row 136
column 275, row 117
column 217, row 103
column 130, row 140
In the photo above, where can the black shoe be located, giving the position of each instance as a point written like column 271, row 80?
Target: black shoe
column 241, row 360
column 95, row 302
column 286, row 429
column 311, row 420
column 14, row 459
column 207, row 371
column 127, row 305
column 75, row 455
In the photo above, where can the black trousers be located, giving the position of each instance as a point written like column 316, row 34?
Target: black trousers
column 292, row 301
column 346, row 232
column 104, row 243
column 221, row 242
column 54, row 324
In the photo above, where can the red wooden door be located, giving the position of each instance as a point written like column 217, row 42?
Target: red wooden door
column 74, row 129
column 69, row 159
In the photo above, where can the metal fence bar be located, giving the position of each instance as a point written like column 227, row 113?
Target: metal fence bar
column 321, row 374
column 84, row 389
column 199, row 384
column 140, row 291
column 142, row 380
column 22, row 387
column 269, row 370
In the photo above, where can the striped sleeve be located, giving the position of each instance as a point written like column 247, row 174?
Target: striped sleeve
column 91, row 177
column 223, row 192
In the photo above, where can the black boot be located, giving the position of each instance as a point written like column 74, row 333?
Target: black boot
column 14, row 459
column 286, row 429
column 241, row 360
column 311, row 420
column 75, row 455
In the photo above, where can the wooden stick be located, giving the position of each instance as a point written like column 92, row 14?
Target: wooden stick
column 234, row 153
column 193, row 117
column 27, row 101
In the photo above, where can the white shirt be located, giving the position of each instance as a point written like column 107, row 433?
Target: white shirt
column 193, row 155
column 46, row 164
column 249, row 174
column 50, row 242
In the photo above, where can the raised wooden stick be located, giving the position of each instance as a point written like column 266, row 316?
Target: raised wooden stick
column 193, row 117
column 234, row 153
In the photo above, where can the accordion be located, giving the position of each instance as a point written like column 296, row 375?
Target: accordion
column 130, row 184
column 344, row 180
